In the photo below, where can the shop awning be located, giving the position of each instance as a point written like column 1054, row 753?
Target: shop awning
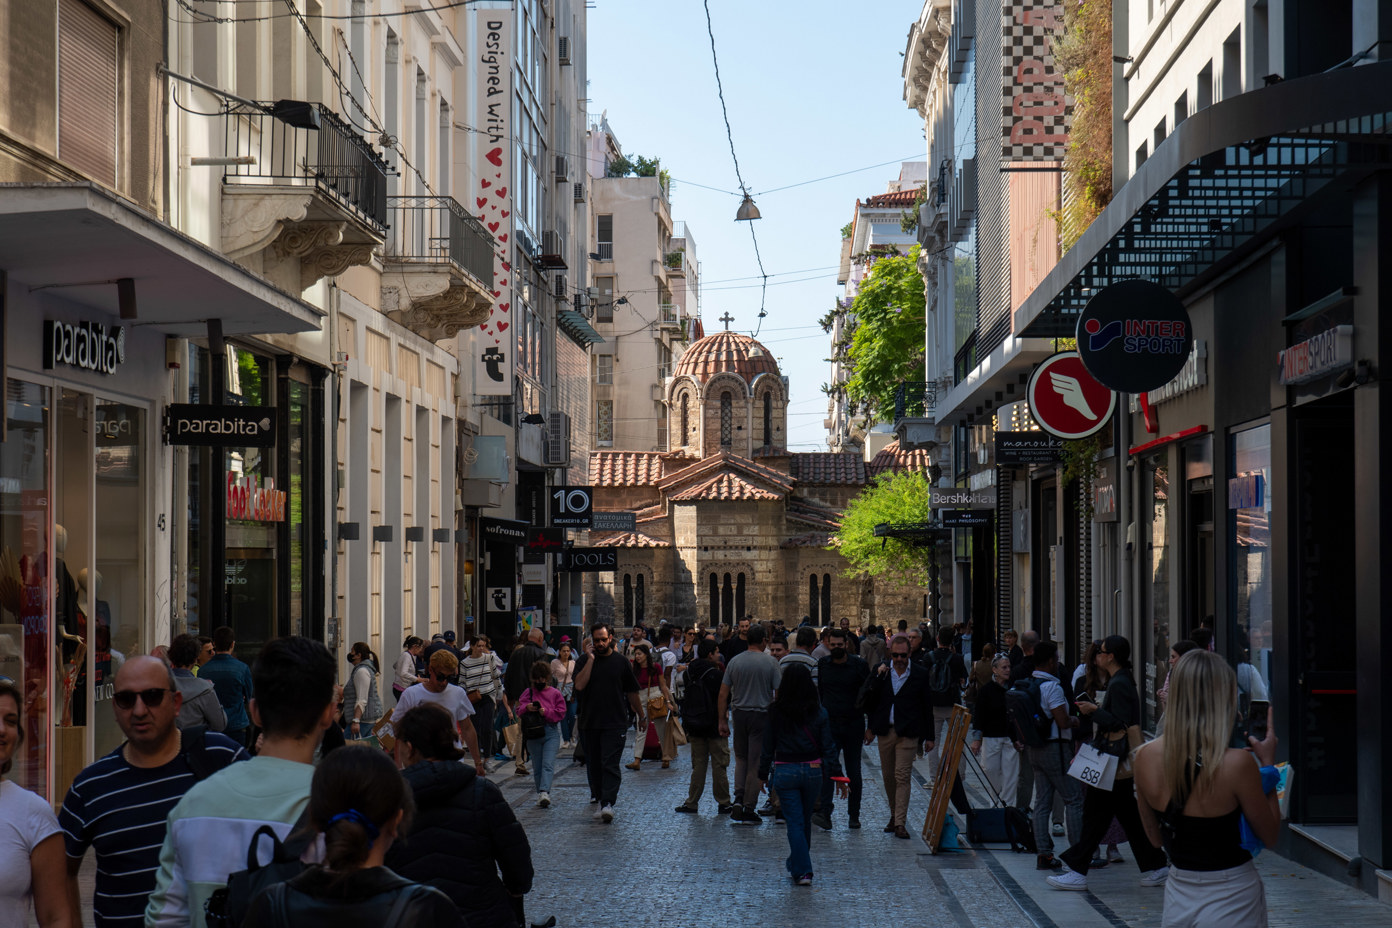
column 78, row 237
column 577, row 328
column 1227, row 179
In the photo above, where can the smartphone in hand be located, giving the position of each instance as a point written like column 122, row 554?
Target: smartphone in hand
column 1256, row 719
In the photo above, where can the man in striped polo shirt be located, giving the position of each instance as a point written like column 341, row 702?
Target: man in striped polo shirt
column 119, row 805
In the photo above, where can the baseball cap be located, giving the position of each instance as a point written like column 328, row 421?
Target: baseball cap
column 449, row 635
column 565, row 638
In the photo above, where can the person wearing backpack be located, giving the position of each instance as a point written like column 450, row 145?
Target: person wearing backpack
column 360, row 803
column 701, row 718
column 947, row 674
column 540, row 710
column 1045, row 730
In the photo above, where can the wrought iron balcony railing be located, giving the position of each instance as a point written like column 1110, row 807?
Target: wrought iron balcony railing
column 914, row 400
column 431, row 229
column 332, row 158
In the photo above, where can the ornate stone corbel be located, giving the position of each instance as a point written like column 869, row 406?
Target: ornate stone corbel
column 331, row 260
column 255, row 217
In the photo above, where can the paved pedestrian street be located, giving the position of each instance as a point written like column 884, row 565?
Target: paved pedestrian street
column 656, row 868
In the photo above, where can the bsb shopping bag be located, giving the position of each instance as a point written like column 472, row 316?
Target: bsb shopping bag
column 1094, row 768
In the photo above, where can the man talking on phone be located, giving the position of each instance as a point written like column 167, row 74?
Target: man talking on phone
column 607, row 681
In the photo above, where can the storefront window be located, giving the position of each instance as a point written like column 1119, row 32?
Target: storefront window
column 300, row 482
column 1249, row 504
column 25, row 634
column 115, row 597
column 1157, row 571
column 250, row 570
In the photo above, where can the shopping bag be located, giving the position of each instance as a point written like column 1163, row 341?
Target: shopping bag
column 1283, row 789
column 1094, row 768
column 675, row 726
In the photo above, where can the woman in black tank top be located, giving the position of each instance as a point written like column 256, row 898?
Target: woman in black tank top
column 1193, row 790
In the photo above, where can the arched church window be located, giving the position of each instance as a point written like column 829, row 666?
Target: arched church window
column 640, row 608
column 714, row 599
column 826, row 598
column 813, row 601
column 727, row 602
column 739, row 597
column 727, row 420
column 685, row 418
column 768, row 419
column 628, row 599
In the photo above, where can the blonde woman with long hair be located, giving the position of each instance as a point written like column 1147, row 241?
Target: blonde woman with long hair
column 1194, row 789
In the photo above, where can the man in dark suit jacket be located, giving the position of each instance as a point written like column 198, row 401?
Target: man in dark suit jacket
column 900, row 705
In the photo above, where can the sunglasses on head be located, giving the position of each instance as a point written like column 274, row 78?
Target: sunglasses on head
column 125, row 699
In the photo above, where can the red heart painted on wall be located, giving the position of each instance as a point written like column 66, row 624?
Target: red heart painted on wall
column 504, row 283
column 482, row 201
column 485, row 328
column 495, row 157
column 502, row 327
column 505, row 213
column 497, row 293
column 504, row 307
column 485, row 184
column 494, row 208
column 502, row 191
column 506, row 266
column 499, row 176
column 503, row 237
column 493, row 227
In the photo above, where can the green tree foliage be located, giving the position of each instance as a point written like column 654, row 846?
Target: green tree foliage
column 887, row 347
column 892, row 498
column 638, row 166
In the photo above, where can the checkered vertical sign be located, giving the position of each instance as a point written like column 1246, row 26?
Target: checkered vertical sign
column 1035, row 109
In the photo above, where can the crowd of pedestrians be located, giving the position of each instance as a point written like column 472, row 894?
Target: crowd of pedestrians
column 394, row 827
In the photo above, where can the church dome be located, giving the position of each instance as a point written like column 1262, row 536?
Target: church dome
column 726, row 351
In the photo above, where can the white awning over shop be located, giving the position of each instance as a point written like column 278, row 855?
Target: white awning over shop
column 81, row 238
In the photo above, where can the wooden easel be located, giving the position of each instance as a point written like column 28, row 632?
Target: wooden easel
column 954, row 739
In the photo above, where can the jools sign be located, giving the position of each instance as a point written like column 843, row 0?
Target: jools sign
column 578, row 560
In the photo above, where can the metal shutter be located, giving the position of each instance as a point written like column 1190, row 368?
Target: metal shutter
column 87, row 91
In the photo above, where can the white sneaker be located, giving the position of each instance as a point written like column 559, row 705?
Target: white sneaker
column 606, row 814
column 1058, row 831
column 544, row 800
column 1156, row 877
column 599, row 813
column 1070, row 880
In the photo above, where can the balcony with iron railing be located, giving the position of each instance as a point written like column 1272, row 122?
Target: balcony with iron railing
column 669, row 316
column 441, row 264
column 333, row 158
column 299, row 178
column 605, row 251
column 914, row 405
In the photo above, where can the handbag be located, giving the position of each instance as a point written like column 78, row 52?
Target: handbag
column 655, row 702
column 1121, row 745
column 678, row 731
column 1094, row 768
column 475, row 696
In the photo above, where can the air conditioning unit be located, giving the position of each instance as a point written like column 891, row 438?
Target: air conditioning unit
column 580, row 193
column 556, row 448
column 581, row 303
column 562, row 168
column 562, row 288
column 659, row 394
column 563, row 49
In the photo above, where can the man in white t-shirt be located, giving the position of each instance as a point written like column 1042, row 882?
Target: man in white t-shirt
column 438, row 690
column 1050, row 761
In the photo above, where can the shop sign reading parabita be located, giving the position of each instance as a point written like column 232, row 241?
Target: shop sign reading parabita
column 89, row 346
column 249, row 500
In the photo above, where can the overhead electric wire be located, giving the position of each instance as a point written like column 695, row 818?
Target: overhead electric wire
column 207, row 18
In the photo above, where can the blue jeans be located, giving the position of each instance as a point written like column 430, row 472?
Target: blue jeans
column 568, row 723
column 543, row 752
column 798, row 786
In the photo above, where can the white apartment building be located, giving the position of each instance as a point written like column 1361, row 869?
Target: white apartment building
column 645, row 291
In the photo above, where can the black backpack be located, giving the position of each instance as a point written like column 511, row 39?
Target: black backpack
column 227, row 907
column 533, row 725
column 697, row 707
column 1024, row 707
column 940, row 675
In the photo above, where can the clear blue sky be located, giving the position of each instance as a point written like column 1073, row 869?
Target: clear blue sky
column 813, row 89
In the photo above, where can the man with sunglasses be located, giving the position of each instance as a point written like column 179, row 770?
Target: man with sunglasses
column 899, row 701
column 438, row 689
column 119, row 804
column 608, row 691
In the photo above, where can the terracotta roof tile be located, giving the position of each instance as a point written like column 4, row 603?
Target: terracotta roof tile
column 625, row 468
column 732, row 463
column 898, row 198
column 725, row 486
column 827, row 468
column 726, row 351
column 894, row 458
column 627, row 540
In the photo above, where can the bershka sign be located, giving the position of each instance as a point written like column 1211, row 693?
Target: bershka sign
column 250, row 500
column 1134, row 336
column 212, row 426
column 584, row 560
column 89, row 346
column 1066, row 400
column 961, row 498
column 1318, row 356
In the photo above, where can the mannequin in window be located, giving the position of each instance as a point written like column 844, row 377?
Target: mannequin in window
column 71, row 625
column 91, row 603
